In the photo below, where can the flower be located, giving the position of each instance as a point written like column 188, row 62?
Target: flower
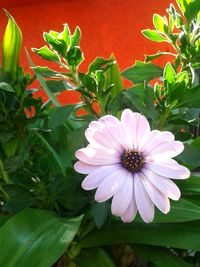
column 131, row 164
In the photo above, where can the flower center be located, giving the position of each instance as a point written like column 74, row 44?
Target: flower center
column 132, row 160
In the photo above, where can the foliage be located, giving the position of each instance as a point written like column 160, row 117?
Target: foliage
column 45, row 217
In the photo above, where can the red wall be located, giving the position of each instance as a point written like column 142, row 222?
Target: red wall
column 108, row 26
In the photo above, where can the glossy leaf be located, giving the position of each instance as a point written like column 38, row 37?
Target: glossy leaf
column 159, row 23
column 177, row 235
column 190, row 186
column 74, row 56
column 57, row 86
column 155, row 56
column 180, row 211
column 37, row 237
column 141, row 72
column 42, row 81
column 46, row 53
column 99, row 63
column 112, row 76
column 189, row 8
column 47, row 72
column 154, row 35
column 75, row 38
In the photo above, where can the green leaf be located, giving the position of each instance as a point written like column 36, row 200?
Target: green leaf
column 142, row 100
column 56, row 44
column 46, row 53
column 75, row 38
column 154, row 36
column 176, row 235
column 45, row 71
column 141, row 72
column 100, row 212
column 113, row 76
column 56, row 156
column 74, row 56
column 6, row 87
column 11, row 47
column 161, row 257
column 159, row 23
column 36, row 238
column 96, row 257
column 60, row 115
column 99, row 64
column 189, row 8
column 169, row 77
column 43, row 83
column 191, row 185
column 155, row 56
column 190, row 156
column 175, row 17
column 57, row 86
column 190, row 97
column 181, row 211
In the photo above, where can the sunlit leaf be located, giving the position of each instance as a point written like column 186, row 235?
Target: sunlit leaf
column 37, row 237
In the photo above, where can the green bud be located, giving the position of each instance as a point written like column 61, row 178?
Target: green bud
column 11, row 48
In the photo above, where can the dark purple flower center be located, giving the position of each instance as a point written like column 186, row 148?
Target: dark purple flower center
column 132, row 160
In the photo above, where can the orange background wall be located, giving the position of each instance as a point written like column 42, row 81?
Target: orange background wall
column 108, row 26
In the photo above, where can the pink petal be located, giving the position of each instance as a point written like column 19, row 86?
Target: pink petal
column 84, row 168
column 166, row 150
column 165, row 185
column 143, row 131
column 169, row 168
column 144, row 203
column 113, row 125
column 106, row 139
column 109, row 121
column 122, row 198
column 129, row 121
column 110, row 185
column 94, row 179
column 98, row 156
column 156, row 138
column 159, row 199
column 131, row 212
column 93, row 127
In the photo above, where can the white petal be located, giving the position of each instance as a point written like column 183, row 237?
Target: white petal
column 156, row 138
column 166, row 150
column 84, row 168
column 169, row 168
column 94, row 179
column 143, row 131
column 165, row 185
column 129, row 122
column 98, row 156
column 106, row 139
column 159, row 199
column 113, row 125
column 122, row 198
column 93, row 127
column 144, row 203
column 110, row 185
column 109, row 121
column 131, row 212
